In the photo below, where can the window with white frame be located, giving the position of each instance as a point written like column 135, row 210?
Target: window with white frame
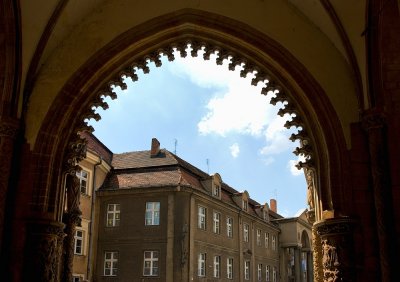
column 217, row 217
column 259, row 272
column 201, row 223
column 113, row 215
column 216, row 191
column 247, row 270
column 201, row 265
column 266, row 240
column 77, row 278
column 217, row 266
column 245, row 232
column 274, row 274
column 110, row 263
column 267, row 271
column 258, row 237
column 229, row 268
column 265, row 215
column 274, row 242
column 150, row 264
column 152, row 216
column 245, row 204
column 229, row 227
column 83, row 177
column 78, row 242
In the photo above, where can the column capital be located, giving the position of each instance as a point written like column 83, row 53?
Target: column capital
column 9, row 128
column 334, row 226
column 336, row 236
column 373, row 119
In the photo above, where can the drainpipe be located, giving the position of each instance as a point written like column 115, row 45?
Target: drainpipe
column 91, row 225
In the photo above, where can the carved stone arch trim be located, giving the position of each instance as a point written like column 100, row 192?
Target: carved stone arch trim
column 321, row 137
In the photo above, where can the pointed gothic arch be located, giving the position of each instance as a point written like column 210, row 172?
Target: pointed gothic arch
column 58, row 147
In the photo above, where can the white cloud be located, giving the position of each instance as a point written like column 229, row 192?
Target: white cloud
column 236, row 105
column 293, row 169
column 269, row 160
column 235, row 150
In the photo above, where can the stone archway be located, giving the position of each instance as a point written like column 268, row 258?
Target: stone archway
column 58, row 149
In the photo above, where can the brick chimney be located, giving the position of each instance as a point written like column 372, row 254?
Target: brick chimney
column 273, row 205
column 155, row 148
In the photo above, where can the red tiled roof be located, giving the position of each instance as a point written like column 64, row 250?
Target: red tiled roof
column 151, row 178
column 96, row 146
column 142, row 159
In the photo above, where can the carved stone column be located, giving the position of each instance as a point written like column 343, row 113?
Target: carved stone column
column 337, row 249
column 43, row 251
column 8, row 133
column 375, row 125
column 71, row 218
column 317, row 255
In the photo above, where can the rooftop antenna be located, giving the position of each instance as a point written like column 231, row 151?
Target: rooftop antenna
column 176, row 145
column 208, row 166
column 276, row 194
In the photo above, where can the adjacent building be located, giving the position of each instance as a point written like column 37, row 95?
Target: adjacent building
column 159, row 218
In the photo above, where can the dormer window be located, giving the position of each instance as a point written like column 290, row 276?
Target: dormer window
column 216, row 191
column 265, row 215
column 245, row 205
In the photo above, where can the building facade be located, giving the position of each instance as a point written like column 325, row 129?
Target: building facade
column 160, row 218
column 94, row 169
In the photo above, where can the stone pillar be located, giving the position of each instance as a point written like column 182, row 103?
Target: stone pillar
column 8, row 133
column 71, row 218
column 337, row 249
column 43, row 251
column 309, row 267
column 297, row 264
column 317, row 255
column 375, row 125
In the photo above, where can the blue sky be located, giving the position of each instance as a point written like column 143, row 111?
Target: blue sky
column 215, row 115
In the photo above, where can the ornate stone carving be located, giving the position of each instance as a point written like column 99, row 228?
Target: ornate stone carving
column 76, row 152
column 8, row 129
column 43, row 251
column 317, row 255
column 337, row 249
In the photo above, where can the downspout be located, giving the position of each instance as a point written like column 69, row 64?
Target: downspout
column 91, row 225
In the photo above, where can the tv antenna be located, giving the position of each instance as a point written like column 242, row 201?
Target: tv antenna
column 208, row 166
column 176, row 145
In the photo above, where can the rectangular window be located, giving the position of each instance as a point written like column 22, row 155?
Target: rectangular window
column 202, row 217
column 216, row 191
column 258, row 237
column 113, row 215
column 274, row 274
column 201, row 265
column 245, row 232
column 273, row 242
column 217, row 266
column 150, row 264
column 229, row 227
column 245, row 205
column 247, row 270
column 110, row 263
column 78, row 243
column 76, row 278
column 266, row 239
column 83, row 181
column 216, row 217
column 152, row 216
column 229, row 268
column 259, row 272
column 267, row 277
